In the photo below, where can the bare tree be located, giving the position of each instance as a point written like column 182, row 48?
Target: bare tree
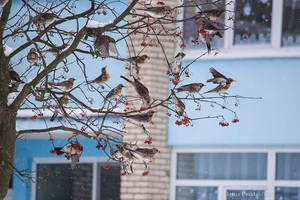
column 39, row 25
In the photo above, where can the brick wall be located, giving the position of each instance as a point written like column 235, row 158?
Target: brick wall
column 156, row 184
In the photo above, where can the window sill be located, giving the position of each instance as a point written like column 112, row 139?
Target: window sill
column 243, row 53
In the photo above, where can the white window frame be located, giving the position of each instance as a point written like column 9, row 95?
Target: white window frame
column 90, row 160
column 230, row 51
column 268, row 185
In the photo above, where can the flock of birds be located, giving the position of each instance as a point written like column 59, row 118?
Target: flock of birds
column 104, row 44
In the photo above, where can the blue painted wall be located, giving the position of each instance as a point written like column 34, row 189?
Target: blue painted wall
column 274, row 120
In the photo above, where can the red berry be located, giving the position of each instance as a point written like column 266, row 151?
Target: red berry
column 145, row 173
column 52, row 151
column 123, row 174
column 34, row 117
column 107, row 167
column 38, row 187
column 104, row 12
column 160, row 3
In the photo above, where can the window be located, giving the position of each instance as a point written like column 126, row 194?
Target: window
column 88, row 181
column 256, row 29
column 235, row 174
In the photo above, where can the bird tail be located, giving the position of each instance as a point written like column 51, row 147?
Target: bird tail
column 179, row 90
column 210, row 80
column 54, row 115
column 208, row 47
column 126, row 79
column 58, row 150
column 219, row 34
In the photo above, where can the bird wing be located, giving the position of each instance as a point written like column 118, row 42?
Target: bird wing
column 216, row 74
column 141, row 89
column 113, row 48
column 102, row 46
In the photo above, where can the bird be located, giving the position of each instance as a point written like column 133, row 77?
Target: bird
column 207, row 32
column 103, row 78
column 14, row 76
column 178, row 104
column 104, row 44
column 212, row 14
column 63, row 101
column 138, row 60
column 73, row 150
column 114, row 93
column 145, row 153
column 190, row 88
column 65, row 85
column 157, row 12
column 143, row 117
column 32, row 56
column 218, row 78
column 142, row 90
column 176, row 65
column 57, row 50
column 44, row 18
column 3, row 3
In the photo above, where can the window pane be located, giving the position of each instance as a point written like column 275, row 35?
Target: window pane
column 287, row 193
column 234, row 166
column 59, row 181
column 245, row 195
column 253, row 22
column 288, row 166
column 109, row 183
column 190, row 27
column 291, row 23
column 196, row 193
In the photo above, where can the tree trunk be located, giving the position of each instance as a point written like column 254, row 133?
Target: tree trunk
column 7, row 148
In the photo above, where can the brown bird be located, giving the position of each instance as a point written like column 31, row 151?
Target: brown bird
column 32, row 56
column 65, row 85
column 223, row 81
column 176, row 66
column 143, row 117
column 63, row 101
column 212, row 14
column 103, row 78
column 44, row 18
column 14, row 76
column 57, row 50
column 142, row 91
column 191, row 88
column 73, row 150
column 207, row 32
column 157, row 12
column 138, row 60
column 114, row 93
column 145, row 153
column 178, row 104
column 104, row 44
column 217, row 77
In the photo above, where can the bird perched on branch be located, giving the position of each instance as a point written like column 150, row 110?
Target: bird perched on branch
column 218, row 78
column 104, row 44
column 114, row 93
column 157, row 12
column 138, row 60
column 65, row 85
column 44, row 18
column 103, row 78
column 207, row 32
column 191, row 88
column 142, row 91
column 145, row 155
column 63, row 101
column 212, row 14
column 73, row 150
column 14, row 76
column 176, row 66
column 57, row 50
column 143, row 117
column 32, row 56
column 178, row 104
